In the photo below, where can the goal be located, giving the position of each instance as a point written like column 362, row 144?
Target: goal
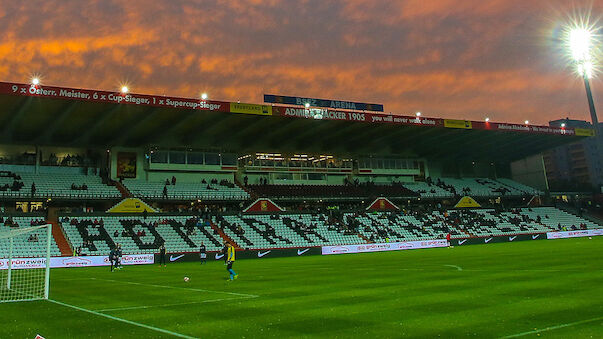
column 25, row 263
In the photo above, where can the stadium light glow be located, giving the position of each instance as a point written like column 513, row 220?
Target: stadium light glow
column 307, row 105
column 204, row 96
column 582, row 40
column 563, row 125
column 527, row 122
column 487, row 119
column 35, row 81
column 124, row 89
column 418, row 114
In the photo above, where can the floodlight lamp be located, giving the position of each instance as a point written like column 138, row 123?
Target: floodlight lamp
column 527, row 122
column 580, row 43
column 35, row 81
column 204, row 96
column 307, row 104
column 124, row 89
column 487, row 119
column 418, row 114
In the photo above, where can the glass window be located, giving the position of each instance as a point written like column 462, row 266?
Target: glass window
column 177, row 157
column 212, row 159
column 195, row 158
column 229, row 159
column 316, row 176
column 159, row 157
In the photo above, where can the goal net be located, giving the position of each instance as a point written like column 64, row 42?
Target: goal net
column 25, row 263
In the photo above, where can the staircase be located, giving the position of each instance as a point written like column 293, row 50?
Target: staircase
column 125, row 193
column 253, row 196
column 223, row 235
column 58, row 234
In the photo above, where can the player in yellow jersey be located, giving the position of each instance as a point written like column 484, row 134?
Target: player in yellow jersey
column 230, row 259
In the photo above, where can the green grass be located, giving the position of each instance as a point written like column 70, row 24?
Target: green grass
column 503, row 289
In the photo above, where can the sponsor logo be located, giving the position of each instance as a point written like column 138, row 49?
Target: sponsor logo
column 301, row 252
column 173, row 258
column 76, row 262
column 219, row 256
column 488, row 240
column 260, row 254
column 535, row 236
column 462, row 241
column 512, row 238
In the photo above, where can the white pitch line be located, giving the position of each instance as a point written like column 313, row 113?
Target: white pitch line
column 551, row 328
column 168, row 305
column 178, row 288
column 157, row 329
column 458, row 268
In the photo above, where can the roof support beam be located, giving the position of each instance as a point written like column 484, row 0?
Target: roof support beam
column 46, row 135
column 124, row 133
column 15, row 118
column 107, row 115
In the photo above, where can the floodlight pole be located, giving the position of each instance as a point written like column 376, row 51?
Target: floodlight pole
column 591, row 104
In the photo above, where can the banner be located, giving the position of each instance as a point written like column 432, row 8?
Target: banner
column 382, row 204
column 467, row 202
column 112, row 97
column 381, row 247
column 584, row 132
column 84, row 261
column 126, row 165
column 131, row 205
column 263, row 205
column 464, row 124
column 312, row 102
column 250, row 109
column 574, row 234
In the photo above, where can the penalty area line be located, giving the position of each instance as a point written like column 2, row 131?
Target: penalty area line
column 551, row 328
column 130, row 322
column 178, row 288
column 169, row 305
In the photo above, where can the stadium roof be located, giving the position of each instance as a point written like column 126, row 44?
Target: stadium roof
column 45, row 115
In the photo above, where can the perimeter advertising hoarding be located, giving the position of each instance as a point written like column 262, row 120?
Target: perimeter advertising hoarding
column 83, row 261
column 381, row 247
column 246, row 254
column 496, row 239
column 574, row 234
column 327, row 103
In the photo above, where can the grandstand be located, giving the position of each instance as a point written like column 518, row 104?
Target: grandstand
column 186, row 191
column 26, row 247
column 207, row 163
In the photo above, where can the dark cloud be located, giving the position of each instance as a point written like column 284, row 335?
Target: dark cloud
column 446, row 58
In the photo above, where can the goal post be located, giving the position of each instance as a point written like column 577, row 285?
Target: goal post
column 25, row 263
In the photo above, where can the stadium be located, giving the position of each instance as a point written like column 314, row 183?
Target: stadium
column 344, row 223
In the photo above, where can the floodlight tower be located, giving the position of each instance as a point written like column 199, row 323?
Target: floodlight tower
column 580, row 42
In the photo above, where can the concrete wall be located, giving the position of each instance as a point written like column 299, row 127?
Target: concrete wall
column 530, row 171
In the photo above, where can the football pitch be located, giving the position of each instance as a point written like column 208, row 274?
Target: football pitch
column 524, row 289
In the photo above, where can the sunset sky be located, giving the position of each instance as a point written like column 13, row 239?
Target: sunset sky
column 446, row 58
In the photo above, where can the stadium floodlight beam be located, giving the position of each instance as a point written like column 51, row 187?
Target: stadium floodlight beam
column 204, row 96
column 124, row 89
column 580, row 41
column 35, row 81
